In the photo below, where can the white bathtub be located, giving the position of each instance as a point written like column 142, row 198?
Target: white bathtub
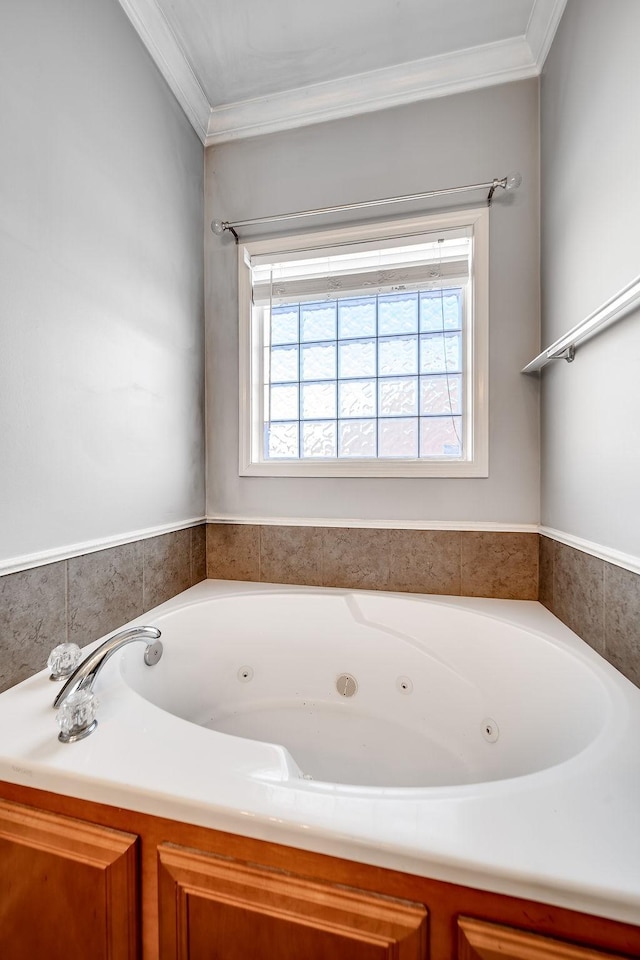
column 483, row 742
column 375, row 690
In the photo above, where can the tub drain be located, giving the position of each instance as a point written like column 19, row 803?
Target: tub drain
column 346, row 685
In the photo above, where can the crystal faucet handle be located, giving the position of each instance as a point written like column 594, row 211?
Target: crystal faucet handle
column 77, row 716
column 63, row 660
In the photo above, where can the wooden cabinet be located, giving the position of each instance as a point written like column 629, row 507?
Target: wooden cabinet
column 252, row 911
column 87, row 881
column 68, row 889
column 479, row 940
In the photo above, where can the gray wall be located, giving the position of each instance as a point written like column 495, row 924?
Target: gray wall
column 101, row 295
column 462, row 139
column 590, row 201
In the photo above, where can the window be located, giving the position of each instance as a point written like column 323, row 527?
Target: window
column 364, row 350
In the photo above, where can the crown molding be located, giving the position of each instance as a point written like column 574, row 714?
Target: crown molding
column 405, row 83
column 169, row 57
column 541, row 29
column 517, row 58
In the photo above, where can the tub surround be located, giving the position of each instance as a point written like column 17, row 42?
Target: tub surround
column 82, row 598
column 446, row 833
column 85, row 597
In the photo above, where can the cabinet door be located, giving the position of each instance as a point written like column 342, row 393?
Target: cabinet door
column 67, row 888
column 479, row 940
column 219, row 909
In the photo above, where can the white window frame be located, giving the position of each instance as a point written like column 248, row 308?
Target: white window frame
column 475, row 459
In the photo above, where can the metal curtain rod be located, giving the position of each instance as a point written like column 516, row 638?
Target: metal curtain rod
column 511, row 182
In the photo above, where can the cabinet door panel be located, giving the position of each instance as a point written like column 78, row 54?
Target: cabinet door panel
column 67, row 888
column 480, row 940
column 217, row 909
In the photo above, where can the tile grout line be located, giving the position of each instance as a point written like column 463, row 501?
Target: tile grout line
column 143, row 566
column 604, row 610
column 66, row 600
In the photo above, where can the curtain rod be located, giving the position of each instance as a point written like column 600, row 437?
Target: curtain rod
column 511, row 182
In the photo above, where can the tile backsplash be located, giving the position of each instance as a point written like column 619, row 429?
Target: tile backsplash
column 449, row 562
column 597, row 600
column 85, row 597
column 88, row 596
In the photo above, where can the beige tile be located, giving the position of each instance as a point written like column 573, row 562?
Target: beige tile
column 622, row 620
column 105, row 591
column 353, row 557
column 233, row 551
column 32, row 620
column 578, row 593
column 198, row 553
column 545, row 565
column 501, row 565
column 167, row 567
column 291, row 555
column 424, row 561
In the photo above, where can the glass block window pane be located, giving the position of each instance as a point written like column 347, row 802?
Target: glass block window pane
column 372, row 376
column 281, row 441
column 319, row 400
column 441, row 353
column 318, row 361
column 357, row 438
column 441, row 436
column 357, row 398
column 357, row 358
column 357, row 318
column 284, row 324
column 284, row 364
column 398, row 397
column 318, row 321
column 319, row 439
column 440, row 395
column 397, row 355
column 398, row 437
column 398, row 313
column 441, row 310
column 284, row 402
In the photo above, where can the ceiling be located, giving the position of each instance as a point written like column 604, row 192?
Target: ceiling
column 245, row 67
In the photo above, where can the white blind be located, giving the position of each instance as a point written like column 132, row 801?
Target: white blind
column 304, row 276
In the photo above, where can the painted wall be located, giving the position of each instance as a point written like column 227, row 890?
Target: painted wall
column 590, row 135
column 101, row 292
column 462, row 139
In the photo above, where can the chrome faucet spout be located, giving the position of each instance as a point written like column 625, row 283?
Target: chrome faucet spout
column 85, row 674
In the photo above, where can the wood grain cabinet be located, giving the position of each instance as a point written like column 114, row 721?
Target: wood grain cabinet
column 86, row 881
column 479, row 940
column 215, row 907
column 68, row 889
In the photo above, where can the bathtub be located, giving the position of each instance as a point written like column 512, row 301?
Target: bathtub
column 469, row 740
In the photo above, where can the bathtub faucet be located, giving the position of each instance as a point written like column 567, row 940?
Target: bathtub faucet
column 79, row 687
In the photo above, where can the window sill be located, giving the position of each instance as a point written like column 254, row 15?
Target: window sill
column 366, row 468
